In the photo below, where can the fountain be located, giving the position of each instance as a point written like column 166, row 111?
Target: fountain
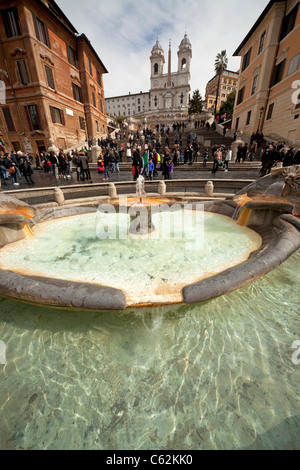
column 142, row 266
column 222, row 374
column 140, row 213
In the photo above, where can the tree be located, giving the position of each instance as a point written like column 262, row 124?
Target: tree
column 221, row 63
column 120, row 119
column 228, row 106
column 195, row 106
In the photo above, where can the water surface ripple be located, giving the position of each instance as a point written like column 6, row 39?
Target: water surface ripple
column 217, row 375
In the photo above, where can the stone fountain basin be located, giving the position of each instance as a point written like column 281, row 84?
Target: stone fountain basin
column 279, row 229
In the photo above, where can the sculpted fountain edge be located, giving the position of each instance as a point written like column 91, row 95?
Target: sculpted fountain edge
column 269, row 206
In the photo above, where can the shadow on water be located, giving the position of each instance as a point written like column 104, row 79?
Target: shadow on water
column 284, row 436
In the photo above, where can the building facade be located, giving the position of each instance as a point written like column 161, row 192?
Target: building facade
column 268, row 97
column 169, row 91
column 53, row 79
column 128, row 105
column 228, row 83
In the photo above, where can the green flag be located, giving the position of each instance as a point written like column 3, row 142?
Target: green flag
column 2, row 142
column 146, row 158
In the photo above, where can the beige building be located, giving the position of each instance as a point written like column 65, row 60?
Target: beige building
column 268, row 88
column 228, row 83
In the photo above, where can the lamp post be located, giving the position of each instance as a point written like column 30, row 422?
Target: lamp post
column 260, row 116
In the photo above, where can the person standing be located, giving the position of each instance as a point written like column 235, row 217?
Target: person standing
column 205, row 157
column 106, row 166
column 84, row 164
column 217, row 161
column 26, row 169
column 54, row 164
column 10, row 166
column 228, row 157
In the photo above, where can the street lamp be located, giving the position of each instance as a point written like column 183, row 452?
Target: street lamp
column 260, row 116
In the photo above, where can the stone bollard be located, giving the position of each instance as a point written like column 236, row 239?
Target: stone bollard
column 162, row 188
column 209, row 189
column 112, row 191
column 59, row 196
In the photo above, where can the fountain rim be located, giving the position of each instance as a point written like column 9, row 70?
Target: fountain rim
column 277, row 246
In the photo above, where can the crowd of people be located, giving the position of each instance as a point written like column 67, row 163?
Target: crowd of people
column 149, row 152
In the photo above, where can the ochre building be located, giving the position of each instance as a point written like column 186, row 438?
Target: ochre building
column 268, row 97
column 227, row 84
column 51, row 79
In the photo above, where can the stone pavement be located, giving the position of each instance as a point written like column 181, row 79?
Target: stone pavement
column 44, row 180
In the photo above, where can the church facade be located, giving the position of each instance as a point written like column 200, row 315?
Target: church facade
column 169, row 91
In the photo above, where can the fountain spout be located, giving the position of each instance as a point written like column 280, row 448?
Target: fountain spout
column 140, row 189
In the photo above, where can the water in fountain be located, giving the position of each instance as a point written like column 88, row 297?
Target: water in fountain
column 140, row 213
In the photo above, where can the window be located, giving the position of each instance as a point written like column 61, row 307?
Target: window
column 16, row 146
column 261, row 43
column 248, row 118
column 155, row 69
column 94, row 99
column 97, row 126
column 240, row 97
column 33, row 118
column 289, row 22
column 72, row 56
column 270, row 111
column 246, row 60
column 101, row 104
column 183, row 64
column 81, row 123
column 139, row 108
column 23, row 72
column 90, row 67
column 8, row 119
column 254, row 85
column 77, row 93
column 50, row 79
column 293, row 65
column 11, row 22
column 278, row 72
column 181, row 98
column 237, row 123
column 41, row 31
column 139, row 101
column 57, row 116
column 99, row 78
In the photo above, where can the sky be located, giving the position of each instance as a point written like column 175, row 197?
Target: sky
column 123, row 33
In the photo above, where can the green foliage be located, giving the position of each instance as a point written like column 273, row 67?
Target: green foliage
column 120, row 119
column 228, row 106
column 196, row 106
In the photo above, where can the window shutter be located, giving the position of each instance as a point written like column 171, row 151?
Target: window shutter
column 9, row 120
column 62, row 117
column 36, row 27
column 50, row 79
column 52, row 113
column 48, row 43
column 28, row 118
column 38, row 117
column 69, row 54
column 23, row 72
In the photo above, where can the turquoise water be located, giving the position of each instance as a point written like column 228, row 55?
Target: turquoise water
column 148, row 270
column 218, row 375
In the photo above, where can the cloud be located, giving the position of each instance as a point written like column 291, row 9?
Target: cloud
column 123, row 33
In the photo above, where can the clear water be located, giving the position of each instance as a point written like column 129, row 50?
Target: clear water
column 217, row 375
column 147, row 270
